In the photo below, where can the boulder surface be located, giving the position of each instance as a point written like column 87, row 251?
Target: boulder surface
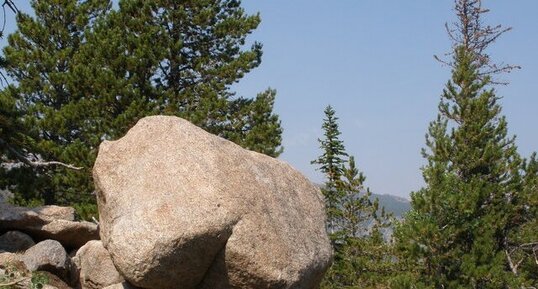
column 52, row 213
column 95, row 266
column 181, row 208
column 50, row 256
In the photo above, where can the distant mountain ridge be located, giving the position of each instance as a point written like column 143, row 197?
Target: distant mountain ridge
column 393, row 204
column 398, row 206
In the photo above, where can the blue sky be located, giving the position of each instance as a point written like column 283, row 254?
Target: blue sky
column 373, row 62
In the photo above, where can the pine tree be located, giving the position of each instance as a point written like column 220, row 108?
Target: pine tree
column 358, row 209
column 12, row 130
column 522, row 240
column 180, row 58
column 253, row 124
column 331, row 165
column 457, row 232
column 363, row 258
column 40, row 58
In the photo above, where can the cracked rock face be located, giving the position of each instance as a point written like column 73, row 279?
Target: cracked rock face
column 181, row 208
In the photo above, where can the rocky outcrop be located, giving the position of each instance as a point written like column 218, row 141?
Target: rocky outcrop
column 180, row 207
column 96, row 269
column 48, row 222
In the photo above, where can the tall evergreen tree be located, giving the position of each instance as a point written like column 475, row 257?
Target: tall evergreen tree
column 521, row 244
column 253, row 124
column 180, row 58
column 457, row 233
column 40, row 59
column 355, row 222
column 358, row 208
column 331, row 163
column 363, row 258
column 12, row 131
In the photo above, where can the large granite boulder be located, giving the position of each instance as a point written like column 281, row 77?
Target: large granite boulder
column 48, row 222
column 181, row 208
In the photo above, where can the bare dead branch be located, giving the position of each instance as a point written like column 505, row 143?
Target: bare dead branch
column 513, row 267
column 470, row 33
column 35, row 163
column 532, row 244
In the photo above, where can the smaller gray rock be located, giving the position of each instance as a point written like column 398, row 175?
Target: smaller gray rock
column 15, row 241
column 96, row 267
column 50, row 256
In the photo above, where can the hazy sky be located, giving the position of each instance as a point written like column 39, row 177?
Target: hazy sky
column 372, row 60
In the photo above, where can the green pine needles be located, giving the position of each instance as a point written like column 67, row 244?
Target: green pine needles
column 331, row 164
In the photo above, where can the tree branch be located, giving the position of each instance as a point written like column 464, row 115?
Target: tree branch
column 470, row 33
column 511, row 263
column 35, row 164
